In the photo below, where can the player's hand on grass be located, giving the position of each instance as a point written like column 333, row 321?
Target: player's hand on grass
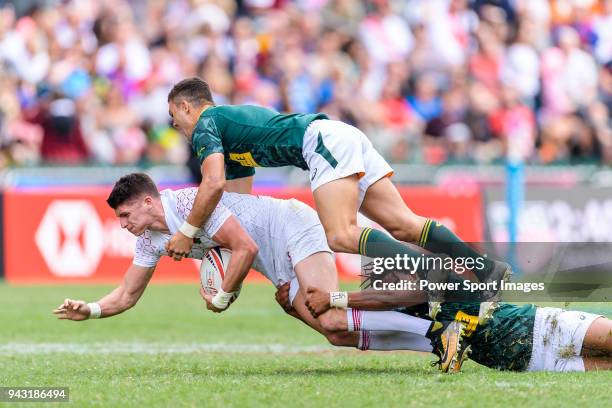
column 179, row 246
column 282, row 297
column 72, row 310
column 208, row 299
column 317, row 301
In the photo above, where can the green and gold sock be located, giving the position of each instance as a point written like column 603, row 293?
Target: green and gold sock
column 436, row 238
column 376, row 244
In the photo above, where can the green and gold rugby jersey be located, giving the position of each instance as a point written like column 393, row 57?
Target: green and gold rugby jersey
column 251, row 136
column 505, row 343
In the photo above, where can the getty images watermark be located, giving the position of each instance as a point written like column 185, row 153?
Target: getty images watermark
column 411, row 265
column 541, row 271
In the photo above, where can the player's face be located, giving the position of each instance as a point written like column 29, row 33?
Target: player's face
column 182, row 117
column 135, row 215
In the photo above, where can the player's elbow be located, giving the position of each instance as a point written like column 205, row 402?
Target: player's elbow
column 251, row 248
column 246, row 246
column 215, row 185
column 129, row 300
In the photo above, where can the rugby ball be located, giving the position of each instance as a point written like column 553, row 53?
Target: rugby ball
column 212, row 269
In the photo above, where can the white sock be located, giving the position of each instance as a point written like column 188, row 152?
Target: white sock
column 393, row 340
column 393, row 321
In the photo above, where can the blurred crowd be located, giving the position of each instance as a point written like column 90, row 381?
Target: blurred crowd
column 429, row 81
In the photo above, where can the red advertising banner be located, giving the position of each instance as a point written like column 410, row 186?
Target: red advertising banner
column 72, row 236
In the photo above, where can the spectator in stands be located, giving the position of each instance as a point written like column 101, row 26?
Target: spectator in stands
column 431, row 81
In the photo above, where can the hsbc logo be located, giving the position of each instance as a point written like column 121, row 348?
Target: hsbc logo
column 70, row 238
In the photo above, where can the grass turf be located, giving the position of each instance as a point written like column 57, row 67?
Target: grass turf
column 173, row 318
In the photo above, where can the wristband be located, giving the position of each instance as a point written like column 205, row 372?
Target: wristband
column 338, row 299
column 94, row 310
column 222, row 299
column 188, row 230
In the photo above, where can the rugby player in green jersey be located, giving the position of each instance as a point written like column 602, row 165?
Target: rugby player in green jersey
column 346, row 173
column 516, row 338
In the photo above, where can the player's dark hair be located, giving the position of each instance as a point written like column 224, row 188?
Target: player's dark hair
column 194, row 90
column 130, row 187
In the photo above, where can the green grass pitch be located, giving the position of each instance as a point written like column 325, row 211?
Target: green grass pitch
column 170, row 351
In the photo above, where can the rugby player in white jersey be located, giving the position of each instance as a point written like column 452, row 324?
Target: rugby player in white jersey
column 283, row 239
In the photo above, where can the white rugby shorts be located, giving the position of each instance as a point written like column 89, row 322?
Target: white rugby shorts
column 301, row 235
column 557, row 339
column 334, row 150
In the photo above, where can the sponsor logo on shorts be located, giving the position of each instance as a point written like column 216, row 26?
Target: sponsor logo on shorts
column 313, row 174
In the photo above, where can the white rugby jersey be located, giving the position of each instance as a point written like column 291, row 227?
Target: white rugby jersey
column 263, row 218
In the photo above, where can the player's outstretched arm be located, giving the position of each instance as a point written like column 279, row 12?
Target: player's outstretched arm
column 208, row 196
column 119, row 300
column 318, row 301
column 244, row 250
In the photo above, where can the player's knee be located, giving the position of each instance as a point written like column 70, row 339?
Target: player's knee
column 343, row 240
column 406, row 228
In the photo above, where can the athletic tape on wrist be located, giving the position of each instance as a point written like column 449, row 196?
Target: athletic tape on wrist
column 338, row 299
column 222, row 299
column 189, row 230
column 95, row 311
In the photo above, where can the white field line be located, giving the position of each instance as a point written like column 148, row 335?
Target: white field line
column 153, row 348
